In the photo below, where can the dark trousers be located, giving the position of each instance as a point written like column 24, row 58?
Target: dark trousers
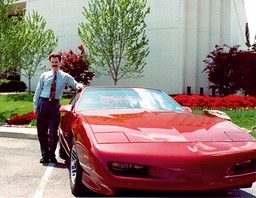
column 48, row 117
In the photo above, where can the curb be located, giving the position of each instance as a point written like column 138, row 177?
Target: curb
column 18, row 132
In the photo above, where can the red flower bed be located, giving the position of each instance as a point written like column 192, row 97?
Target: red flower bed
column 21, row 119
column 205, row 101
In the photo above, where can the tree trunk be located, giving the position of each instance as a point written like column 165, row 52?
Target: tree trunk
column 29, row 85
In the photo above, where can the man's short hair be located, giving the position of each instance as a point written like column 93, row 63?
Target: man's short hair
column 54, row 55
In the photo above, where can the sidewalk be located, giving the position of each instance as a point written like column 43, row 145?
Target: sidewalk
column 18, row 132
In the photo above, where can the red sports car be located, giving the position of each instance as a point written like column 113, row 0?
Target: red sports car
column 120, row 138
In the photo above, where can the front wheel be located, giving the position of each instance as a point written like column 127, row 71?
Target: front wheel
column 75, row 172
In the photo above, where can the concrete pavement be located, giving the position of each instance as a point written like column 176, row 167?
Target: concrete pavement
column 18, row 132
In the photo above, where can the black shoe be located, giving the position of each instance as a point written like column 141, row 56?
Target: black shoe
column 53, row 160
column 44, row 160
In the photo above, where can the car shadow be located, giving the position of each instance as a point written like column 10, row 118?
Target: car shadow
column 229, row 193
column 61, row 165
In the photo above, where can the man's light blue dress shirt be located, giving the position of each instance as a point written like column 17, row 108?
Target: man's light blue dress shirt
column 44, row 85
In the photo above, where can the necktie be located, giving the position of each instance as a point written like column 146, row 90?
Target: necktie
column 53, row 87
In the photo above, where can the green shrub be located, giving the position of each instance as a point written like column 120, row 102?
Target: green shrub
column 12, row 86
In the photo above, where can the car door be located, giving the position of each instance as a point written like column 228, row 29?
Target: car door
column 68, row 116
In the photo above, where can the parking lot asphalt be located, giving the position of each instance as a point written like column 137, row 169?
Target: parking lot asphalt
column 18, row 132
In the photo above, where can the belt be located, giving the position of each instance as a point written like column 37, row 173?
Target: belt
column 49, row 100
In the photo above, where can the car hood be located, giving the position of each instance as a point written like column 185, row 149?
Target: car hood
column 160, row 126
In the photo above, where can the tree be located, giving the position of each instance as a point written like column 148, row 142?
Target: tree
column 10, row 44
column 248, row 71
column 38, row 43
column 230, row 69
column 5, row 7
column 247, row 36
column 24, row 41
column 115, row 37
column 77, row 65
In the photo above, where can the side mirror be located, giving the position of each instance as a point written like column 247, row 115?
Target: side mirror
column 188, row 109
column 66, row 108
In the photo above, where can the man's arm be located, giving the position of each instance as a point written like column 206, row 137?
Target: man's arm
column 37, row 94
column 74, row 84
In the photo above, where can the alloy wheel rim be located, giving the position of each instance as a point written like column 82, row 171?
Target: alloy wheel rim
column 73, row 163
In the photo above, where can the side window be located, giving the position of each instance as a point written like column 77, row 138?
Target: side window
column 74, row 99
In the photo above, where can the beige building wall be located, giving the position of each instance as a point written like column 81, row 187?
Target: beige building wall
column 181, row 34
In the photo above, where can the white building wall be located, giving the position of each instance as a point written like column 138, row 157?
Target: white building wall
column 238, row 20
column 203, row 44
column 214, row 23
column 181, row 34
column 191, row 44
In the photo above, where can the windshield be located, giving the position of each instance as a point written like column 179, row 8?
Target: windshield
column 126, row 98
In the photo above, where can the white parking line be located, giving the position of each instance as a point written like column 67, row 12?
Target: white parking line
column 40, row 189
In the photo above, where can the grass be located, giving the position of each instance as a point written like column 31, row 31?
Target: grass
column 245, row 118
column 22, row 103
column 19, row 103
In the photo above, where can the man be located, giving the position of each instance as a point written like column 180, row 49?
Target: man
column 48, row 93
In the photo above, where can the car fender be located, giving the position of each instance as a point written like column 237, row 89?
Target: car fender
column 83, row 144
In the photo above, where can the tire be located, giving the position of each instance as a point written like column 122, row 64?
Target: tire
column 75, row 172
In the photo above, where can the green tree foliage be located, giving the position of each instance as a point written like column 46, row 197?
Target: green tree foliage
column 38, row 43
column 10, row 44
column 24, row 41
column 114, row 33
column 77, row 65
column 230, row 70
